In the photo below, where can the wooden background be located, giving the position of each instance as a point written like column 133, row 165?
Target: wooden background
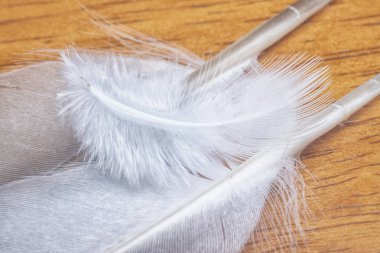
column 345, row 193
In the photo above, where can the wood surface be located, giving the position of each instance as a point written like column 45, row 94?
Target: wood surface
column 344, row 165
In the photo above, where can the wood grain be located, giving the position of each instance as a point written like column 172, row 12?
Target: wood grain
column 345, row 193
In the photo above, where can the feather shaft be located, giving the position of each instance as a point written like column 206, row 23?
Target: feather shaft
column 339, row 111
column 127, row 113
column 258, row 40
column 254, row 169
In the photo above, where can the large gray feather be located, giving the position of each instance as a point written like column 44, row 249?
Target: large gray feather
column 32, row 138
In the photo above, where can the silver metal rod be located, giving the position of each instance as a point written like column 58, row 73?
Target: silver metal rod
column 258, row 40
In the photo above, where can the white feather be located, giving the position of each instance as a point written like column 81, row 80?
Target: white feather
column 80, row 210
column 138, row 120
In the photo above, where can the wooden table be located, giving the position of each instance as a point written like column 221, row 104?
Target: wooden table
column 344, row 191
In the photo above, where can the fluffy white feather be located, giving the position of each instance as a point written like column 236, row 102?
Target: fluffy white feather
column 137, row 119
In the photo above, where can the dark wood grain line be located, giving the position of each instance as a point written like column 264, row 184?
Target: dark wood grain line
column 360, row 73
column 29, row 3
column 340, row 174
column 369, row 73
column 110, row 3
column 166, row 9
column 353, row 157
column 130, row 21
column 26, row 19
column 139, row 11
column 308, row 155
column 27, row 39
column 373, row 165
column 360, row 18
column 335, row 250
column 335, row 184
column 349, row 51
column 218, row 12
column 204, row 5
column 362, row 167
column 252, row 20
column 204, row 22
column 364, row 195
column 376, row 214
column 249, row 2
column 366, row 53
column 374, row 142
column 343, row 225
column 308, row 41
column 371, row 24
